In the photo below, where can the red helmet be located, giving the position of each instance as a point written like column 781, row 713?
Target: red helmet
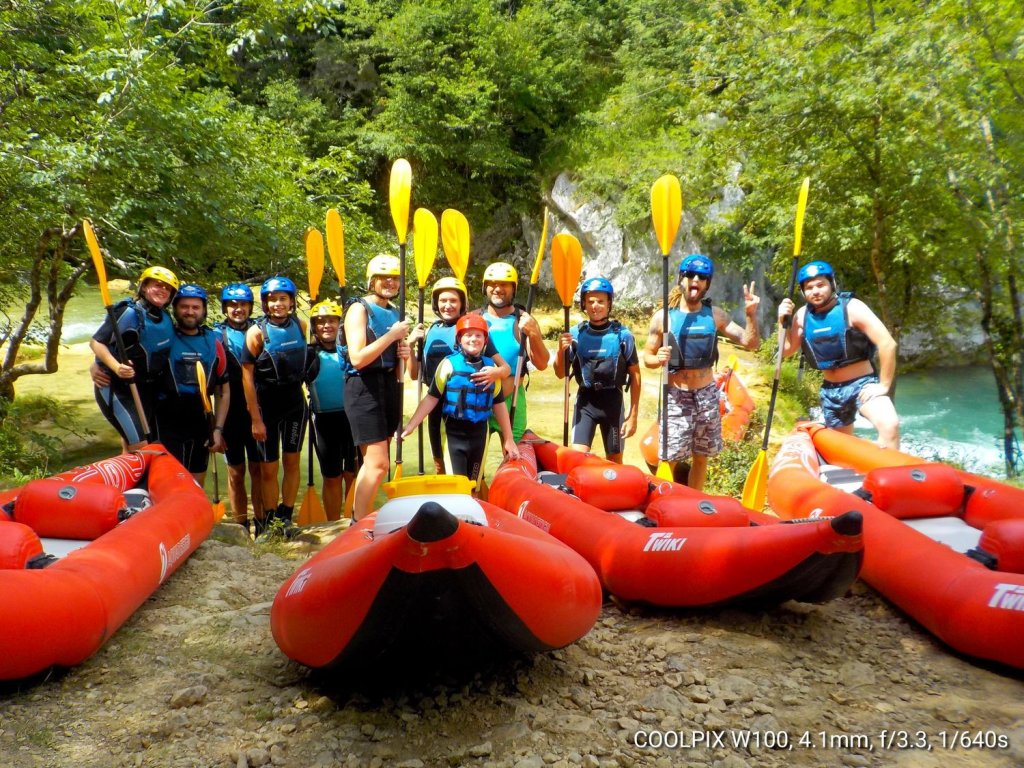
column 468, row 322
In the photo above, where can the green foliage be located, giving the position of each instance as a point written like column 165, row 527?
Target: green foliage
column 33, row 431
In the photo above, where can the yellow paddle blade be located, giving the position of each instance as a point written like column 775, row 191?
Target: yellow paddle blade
column 314, row 261
column 666, row 210
column 336, row 243
column 398, row 473
column 732, row 363
column 455, row 240
column 218, row 511
column 801, row 208
column 535, row 276
column 97, row 260
column 424, row 244
column 665, row 471
column 203, row 392
column 566, row 265
column 755, row 488
column 401, row 188
column 312, row 510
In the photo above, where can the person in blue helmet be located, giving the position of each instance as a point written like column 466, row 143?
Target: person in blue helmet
column 603, row 359
column 690, row 352
column 839, row 335
column 274, row 362
column 236, row 302
column 180, row 416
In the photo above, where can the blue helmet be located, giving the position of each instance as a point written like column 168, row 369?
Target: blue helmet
column 190, row 291
column 698, row 263
column 816, row 269
column 596, row 285
column 277, row 283
column 236, row 292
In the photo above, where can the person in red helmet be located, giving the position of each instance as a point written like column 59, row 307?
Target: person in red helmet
column 466, row 406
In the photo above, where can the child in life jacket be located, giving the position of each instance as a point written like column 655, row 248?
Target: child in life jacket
column 466, row 406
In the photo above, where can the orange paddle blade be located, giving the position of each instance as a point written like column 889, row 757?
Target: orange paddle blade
column 97, row 260
column 755, row 488
column 336, row 244
column 314, row 260
column 566, row 265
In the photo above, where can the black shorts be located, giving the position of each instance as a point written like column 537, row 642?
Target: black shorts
column 118, row 407
column 283, row 409
column 332, row 437
column 467, row 443
column 434, row 432
column 372, row 406
column 599, row 408
column 184, row 431
column 238, row 432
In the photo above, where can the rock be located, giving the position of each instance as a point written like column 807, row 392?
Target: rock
column 481, row 750
column 188, row 697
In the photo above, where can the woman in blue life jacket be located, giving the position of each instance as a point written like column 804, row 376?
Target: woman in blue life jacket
column 839, row 336
column 332, row 435
column 603, row 359
column 690, row 352
column 180, row 415
column 466, row 406
column 146, row 330
column 273, row 370
column 449, row 299
column 375, row 347
column 236, row 302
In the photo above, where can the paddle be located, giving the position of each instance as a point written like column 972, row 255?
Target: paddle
column 530, row 296
column 336, row 247
column 424, row 244
column 204, row 394
column 566, row 267
column 101, row 275
column 312, row 510
column 455, row 240
column 755, row 488
column 666, row 208
column 398, row 198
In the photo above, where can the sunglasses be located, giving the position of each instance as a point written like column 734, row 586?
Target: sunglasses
column 694, row 276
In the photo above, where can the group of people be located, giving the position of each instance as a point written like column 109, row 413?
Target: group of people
column 472, row 361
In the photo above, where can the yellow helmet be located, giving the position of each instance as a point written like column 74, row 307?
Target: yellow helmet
column 449, row 284
column 163, row 274
column 382, row 265
column 326, row 308
column 501, row 272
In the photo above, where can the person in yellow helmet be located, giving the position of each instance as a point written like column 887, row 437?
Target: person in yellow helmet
column 449, row 299
column 375, row 346
column 325, row 379
column 146, row 330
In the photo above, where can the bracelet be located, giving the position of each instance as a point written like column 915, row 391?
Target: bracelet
column 218, row 429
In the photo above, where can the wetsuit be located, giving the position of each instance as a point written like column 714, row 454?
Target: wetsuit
column 372, row 392
column 332, row 434
column 601, row 358
column 278, row 373
column 238, row 426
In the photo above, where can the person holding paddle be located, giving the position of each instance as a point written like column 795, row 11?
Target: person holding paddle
column 325, row 380
column 508, row 324
column 449, row 300
column 603, row 359
column 236, row 302
column 146, row 329
column 375, row 345
column 273, row 370
column 839, row 336
column 690, row 352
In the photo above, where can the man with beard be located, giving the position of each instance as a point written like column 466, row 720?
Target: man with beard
column 690, row 352
column 839, row 336
column 508, row 323
column 180, row 416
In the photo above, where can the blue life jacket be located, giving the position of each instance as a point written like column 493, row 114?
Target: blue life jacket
column 601, row 355
column 503, row 333
column 438, row 344
column 462, row 398
column 186, row 351
column 829, row 339
column 283, row 359
column 234, row 342
column 694, row 338
column 147, row 339
column 378, row 322
column 327, row 389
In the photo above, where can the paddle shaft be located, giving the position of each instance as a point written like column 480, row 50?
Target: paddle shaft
column 398, row 367
column 419, row 382
column 520, row 360
column 778, row 358
column 664, row 342
column 132, row 386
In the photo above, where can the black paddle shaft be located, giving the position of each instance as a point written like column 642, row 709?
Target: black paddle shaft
column 520, row 360
column 664, row 342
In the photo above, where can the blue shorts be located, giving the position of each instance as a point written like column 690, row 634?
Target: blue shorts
column 839, row 400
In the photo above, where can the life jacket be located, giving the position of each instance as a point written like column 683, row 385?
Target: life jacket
column 462, row 398
column 233, row 340
column 694, row 339
column 829, row 339
column 601, row 355
column 327, row 388
column 283, row 359
column 438, row 344
column 147, row 340
column 378, row 322
column 503, row 333
column 186, row 351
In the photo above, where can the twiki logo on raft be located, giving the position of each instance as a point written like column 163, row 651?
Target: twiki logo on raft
column 663, row 542
column 1008, row 596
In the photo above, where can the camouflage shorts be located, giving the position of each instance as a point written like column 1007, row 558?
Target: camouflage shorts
column 694, row 423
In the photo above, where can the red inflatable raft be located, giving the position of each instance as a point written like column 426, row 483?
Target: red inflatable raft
column 434, row 573
column 671, row 545
column 946, row 546
column 80, row 552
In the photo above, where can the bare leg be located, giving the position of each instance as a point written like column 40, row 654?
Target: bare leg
column 237, row 494
column 332, row 496
column 290, row 483
column 698, row 471
column 375, row 467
